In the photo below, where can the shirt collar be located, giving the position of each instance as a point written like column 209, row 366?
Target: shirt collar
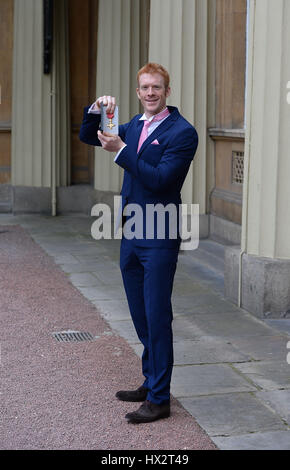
column 144, row 118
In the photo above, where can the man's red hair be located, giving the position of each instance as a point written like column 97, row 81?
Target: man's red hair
column 152, row 67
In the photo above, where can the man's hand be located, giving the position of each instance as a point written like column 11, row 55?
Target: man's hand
column 110, row 142
column 109, row 101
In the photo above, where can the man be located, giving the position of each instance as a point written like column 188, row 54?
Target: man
column 155, row 150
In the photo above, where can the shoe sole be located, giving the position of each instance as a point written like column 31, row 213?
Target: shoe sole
column 146, row 420
column 139, row 398
column 133, row 400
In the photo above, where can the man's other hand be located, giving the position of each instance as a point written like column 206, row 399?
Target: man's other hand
column 110, row 142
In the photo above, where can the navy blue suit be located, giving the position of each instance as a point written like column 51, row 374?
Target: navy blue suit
column 153, row 175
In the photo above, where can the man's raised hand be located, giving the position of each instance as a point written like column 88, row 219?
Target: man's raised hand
column 109, row 101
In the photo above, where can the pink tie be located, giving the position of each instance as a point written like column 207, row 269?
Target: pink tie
column 144, row 133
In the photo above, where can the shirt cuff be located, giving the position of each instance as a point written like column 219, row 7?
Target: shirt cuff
column 116, row 157
column 92, row 110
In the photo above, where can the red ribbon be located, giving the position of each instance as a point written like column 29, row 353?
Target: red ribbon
column 110, row 115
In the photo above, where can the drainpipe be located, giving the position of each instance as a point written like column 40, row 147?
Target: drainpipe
column 53, row 124
column 53, row 151
column 49, row 69
column 248, row 103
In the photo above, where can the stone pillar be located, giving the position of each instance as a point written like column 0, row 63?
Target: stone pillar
column 31, row 133
column 181, row 42
column 61, row 89
column 265, row 258
column 40, row 143
column 120, row 50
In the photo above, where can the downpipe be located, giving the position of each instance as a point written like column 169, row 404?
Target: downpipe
column 251, row 11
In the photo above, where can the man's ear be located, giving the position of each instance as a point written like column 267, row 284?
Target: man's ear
column 168, row 91
column 138, row 94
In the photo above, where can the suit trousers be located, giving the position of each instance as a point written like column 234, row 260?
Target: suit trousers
column 148, row 275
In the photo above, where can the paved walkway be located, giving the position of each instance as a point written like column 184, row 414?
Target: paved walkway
column 61, row 395
column 230, row 371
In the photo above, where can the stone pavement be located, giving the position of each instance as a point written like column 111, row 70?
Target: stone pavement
column 231, row 371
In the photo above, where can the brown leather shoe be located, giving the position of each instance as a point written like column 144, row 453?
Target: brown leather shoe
column 148, row 412
column 133, row 395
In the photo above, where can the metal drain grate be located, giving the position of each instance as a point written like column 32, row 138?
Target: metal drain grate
column 66, row 336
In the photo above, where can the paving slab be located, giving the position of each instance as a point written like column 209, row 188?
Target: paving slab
column 110, row 276
column 199, row 271
column 58, row 248
column 103, row 292
column 269, row 375
column 264, row 347
column 278, row 400
column 91, row 257
column 63, row 258
column 230, row 325
column 113, row 310
column 206, row 350
column 125, row 329
column 88, row 267
column 272, row 440
column 215, row 284
column 232, row 413
column 91, row 253
column 188, row 381
column 180, row 275
column 102, row 260
column 84, row 280
column 54, row 250
column 184, row 287
column 202, row 303
column 280, row 324
column 184, row 329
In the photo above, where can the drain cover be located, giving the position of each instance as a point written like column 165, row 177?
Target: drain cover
column 72, row 336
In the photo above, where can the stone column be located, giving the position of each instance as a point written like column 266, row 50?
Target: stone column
column 31, row 138
column 40, row 145
column 265, row 251
column 181, row 42
column 61, row 89
column 120, row 49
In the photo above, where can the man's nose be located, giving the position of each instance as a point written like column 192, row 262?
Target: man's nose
column 150, row 90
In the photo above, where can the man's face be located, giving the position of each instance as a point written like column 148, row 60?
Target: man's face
column 152, row 93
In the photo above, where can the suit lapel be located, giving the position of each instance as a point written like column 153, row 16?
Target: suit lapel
column 135, row 135
column 169, row 121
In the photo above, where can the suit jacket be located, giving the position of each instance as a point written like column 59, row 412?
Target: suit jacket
column 156, row 173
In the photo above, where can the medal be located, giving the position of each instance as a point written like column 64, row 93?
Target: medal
column 110, row 117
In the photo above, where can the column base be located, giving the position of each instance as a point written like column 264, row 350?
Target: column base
column 265, row 283
column 225, row 231
column 70, row 199
column 6, row 197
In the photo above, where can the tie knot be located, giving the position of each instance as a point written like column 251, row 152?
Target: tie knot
column 157, row 117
